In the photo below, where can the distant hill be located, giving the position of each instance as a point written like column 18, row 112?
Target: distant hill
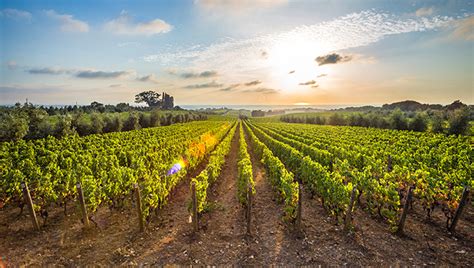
column 409, row 105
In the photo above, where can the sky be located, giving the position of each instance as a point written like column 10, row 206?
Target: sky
column 218, row 52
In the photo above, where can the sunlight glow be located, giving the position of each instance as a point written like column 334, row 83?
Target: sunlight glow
column 291, row 61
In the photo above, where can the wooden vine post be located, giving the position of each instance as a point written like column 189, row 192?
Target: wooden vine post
column 348, row 219
column 80, row 195
column 249, row 209
column 195, row 208
column 29, row 202
column 401, row 222
column 389, row 164
column 459, row 209
column 299, row 209
column 138, row 198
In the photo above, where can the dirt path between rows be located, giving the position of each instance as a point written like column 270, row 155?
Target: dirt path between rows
column 221, row 229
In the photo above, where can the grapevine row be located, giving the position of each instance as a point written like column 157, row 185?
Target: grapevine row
column 244, row 166
column 334, row 193
column 280, row 177
column 361, row 153
column 106, row 165
column 213, row 169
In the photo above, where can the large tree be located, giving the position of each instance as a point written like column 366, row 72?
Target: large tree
column 151, row 98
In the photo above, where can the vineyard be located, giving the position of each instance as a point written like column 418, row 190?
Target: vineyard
column 229, row 191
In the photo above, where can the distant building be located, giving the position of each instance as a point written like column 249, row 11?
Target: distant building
column 167, row 102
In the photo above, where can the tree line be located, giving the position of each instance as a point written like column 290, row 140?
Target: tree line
column 442, row 121
column 28, row 121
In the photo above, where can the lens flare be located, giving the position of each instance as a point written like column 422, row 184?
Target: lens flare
column 177, row 167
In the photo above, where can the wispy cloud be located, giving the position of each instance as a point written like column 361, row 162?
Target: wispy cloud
column 15, row 14
column 93, row 74
column 115, row 85
column 68, row 23
column 322, row 75
column 332, row 58
column 205, row 74
column 262, row 90
column 234, row 56
column 312, row 82
column 48, row 70
column 148, row 78
column 464, row 29
column 125, row 25
column 230, row 88
column 253, row 83
column 424, row 11
column 205, row 85
column 89, row 74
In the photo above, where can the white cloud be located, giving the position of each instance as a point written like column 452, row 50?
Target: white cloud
column 15, row 14
column 68, row 23
column 125, row 25
column 424, row 11
column 300, row 46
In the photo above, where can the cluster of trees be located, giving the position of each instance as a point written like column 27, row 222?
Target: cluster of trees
column 407, row 106
column 151, row 98
column 260, row 113
column 30, row 122
column 448, row 121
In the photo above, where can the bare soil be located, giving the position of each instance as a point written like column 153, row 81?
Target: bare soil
column 222, row 241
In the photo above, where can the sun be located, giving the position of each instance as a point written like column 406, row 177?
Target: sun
column 291, row 62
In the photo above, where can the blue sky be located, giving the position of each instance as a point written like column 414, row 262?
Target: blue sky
column 237, row 52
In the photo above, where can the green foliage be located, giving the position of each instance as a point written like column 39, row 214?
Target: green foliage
column 132, row 122
column 106, row 165
column 437, row 123
column 398, row 120
column 459, row 122
column 97, row 124
column 280, row 177
column 13, row 127
column 213, row 169
column 418, row 123
column 244, row 167
column 63, row 127
column 92, row 119
column 112, row 123
column 438, row 166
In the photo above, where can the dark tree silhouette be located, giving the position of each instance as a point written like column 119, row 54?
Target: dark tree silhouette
column 151, row 98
